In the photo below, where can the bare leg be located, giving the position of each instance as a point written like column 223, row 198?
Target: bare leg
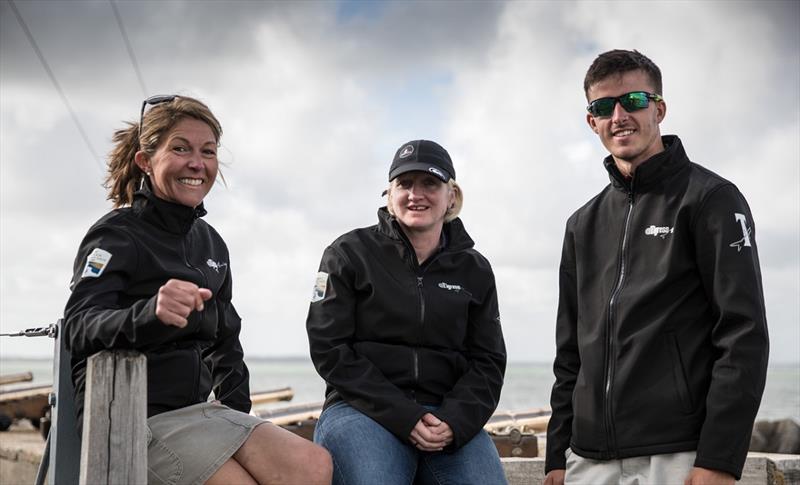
column 273, row 455
column 231, row 472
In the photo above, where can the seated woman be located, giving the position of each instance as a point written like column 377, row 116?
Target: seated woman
column 152, row 275
column 404, row 328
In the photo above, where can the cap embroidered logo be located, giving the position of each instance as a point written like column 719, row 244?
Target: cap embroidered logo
column 407, row 150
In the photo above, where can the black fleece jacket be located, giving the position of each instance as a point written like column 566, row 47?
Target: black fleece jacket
column 389, row 335
column 112, row 305
column 661, row 331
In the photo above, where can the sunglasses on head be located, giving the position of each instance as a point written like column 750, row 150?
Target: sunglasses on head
column 152, row 101
column 633, row 101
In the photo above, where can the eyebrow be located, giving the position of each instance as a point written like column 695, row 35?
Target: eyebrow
column 184, row 140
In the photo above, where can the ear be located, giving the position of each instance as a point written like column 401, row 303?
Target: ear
column 591, row 122
column 661, row 111
column 142, row 161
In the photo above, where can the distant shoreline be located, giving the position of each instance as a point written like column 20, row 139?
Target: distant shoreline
column 301, row 358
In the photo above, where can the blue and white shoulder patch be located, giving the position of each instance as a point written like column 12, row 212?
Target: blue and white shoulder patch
column 320, row 287
column 96, row 263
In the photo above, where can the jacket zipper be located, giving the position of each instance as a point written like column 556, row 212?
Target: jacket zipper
column 609, row 415
column 421, row 326
column 203, row 281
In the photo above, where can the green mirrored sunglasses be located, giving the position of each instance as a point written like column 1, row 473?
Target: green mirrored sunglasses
column 632, row 101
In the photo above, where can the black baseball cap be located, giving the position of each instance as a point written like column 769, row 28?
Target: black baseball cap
column 424, row 156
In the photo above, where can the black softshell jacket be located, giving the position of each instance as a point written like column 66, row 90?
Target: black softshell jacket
column 151, row 242
column 389, row 336
column 661, row 331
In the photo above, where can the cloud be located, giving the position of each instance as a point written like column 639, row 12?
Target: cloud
column 314, row 98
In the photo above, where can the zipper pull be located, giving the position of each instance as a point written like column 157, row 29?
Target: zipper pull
column 419, row 281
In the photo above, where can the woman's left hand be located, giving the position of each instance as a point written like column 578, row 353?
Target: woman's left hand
column 431, row 434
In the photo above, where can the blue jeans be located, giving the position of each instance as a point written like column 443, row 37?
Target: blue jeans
column 366, row 453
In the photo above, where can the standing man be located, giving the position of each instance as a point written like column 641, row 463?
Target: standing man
column 661, row 333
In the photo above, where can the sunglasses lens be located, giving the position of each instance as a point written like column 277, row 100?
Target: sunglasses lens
column 602, row 106
column 634, row 101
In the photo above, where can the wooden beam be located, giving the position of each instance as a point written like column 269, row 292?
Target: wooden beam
column 114, row 444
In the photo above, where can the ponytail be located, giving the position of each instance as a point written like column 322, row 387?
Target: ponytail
column 124, row 176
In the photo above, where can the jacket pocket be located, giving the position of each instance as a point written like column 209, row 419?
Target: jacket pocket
column 679, row 374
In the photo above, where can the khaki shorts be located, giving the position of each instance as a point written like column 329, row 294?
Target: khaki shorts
column 188, row 445
column 667, row 469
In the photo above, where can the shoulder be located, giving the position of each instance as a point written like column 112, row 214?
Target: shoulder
column 118, row 223
column 358, row 238
column 589, row 207
column 712, row 191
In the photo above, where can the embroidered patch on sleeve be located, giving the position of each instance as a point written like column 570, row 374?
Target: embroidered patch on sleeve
column 320, row 287
column 96, row 263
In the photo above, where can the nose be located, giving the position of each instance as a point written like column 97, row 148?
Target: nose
column 619, row 114
column 414, row 192
column 195, row 162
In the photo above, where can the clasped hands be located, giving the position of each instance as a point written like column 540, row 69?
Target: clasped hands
column 177, row 299
column 431, row 434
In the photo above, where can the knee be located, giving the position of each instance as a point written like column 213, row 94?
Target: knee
column 320, row 469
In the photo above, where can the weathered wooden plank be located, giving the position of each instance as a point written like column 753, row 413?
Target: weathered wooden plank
column 274, row 395
column 15, row 378
column 114, row 444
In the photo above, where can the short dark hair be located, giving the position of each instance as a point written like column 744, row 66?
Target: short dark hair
column 619, row 61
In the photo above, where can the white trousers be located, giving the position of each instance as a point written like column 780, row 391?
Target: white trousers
column 666, row 469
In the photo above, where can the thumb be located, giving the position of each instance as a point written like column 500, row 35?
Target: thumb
column 202, row 295
column 431, row 420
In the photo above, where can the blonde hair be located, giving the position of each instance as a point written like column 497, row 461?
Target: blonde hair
column 452, row 212
column 124, row 176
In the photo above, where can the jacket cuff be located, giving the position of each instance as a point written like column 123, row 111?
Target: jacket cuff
column 721, row 466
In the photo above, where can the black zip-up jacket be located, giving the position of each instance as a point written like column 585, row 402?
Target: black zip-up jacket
column 112, row 305
column 661, row 331
column 389, row 336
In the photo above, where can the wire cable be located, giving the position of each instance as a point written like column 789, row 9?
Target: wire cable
column 52, row 76
column 129, row 47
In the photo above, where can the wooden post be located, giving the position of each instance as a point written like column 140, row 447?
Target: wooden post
column 114, row 444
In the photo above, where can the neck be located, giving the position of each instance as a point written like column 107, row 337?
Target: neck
column 424, row 242
column 625, row 167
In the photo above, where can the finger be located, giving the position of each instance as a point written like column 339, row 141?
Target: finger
column 172, row 319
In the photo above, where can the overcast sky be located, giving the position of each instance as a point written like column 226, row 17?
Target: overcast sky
column 314, row 97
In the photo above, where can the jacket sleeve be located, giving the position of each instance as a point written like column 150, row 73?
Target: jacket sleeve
column 727, row 259
column 473, row 399
column 99, row 314
column 225, row 358
column 567, row 362
column 331, row 329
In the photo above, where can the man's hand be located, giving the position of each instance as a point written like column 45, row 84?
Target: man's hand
column 177, row 299
column 704, row 476
column 431, row 434
column 555, row 477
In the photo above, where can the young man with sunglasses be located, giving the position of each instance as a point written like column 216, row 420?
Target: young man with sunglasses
column 661, row 331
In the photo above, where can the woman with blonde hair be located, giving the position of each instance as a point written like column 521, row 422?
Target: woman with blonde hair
column 152, row 275
column 405, row 329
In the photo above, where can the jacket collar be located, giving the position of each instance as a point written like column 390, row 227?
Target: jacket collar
column 654, row 171
column 454, row 235
column 169, row 216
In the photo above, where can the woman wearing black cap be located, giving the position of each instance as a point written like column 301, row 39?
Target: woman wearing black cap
column 404, row 328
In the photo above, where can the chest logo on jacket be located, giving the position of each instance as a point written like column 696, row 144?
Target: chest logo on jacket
column 659, row 231
column 447, row 286
column 215, row 265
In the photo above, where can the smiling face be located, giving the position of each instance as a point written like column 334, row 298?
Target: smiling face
column 633, row 137
column 184, row 166
column 419, row 201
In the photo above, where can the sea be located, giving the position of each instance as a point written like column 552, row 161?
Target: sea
column 527, row 384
